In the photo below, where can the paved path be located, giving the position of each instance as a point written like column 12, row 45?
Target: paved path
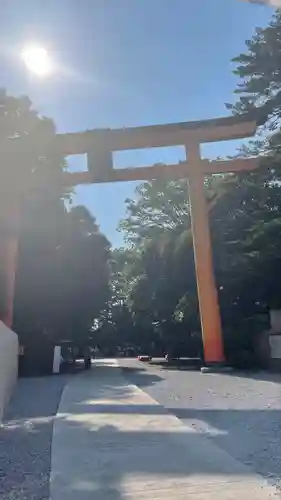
column 111, row 441
column 241, row 413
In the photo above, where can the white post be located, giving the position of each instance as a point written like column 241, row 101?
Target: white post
column 57, row 359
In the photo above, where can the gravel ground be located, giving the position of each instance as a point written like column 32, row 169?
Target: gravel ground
column 25, row 439
column 241, row 414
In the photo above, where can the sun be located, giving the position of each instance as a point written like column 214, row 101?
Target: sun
column 37, row 60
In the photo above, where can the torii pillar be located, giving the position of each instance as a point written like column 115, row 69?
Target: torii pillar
column 99, row 146
column 207, row 291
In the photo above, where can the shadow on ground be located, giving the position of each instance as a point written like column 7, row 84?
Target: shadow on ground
column 180, row 364
column 123, row 453
column 25, row 438
column 140, row 374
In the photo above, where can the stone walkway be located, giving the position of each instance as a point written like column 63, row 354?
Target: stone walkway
column 112, row 441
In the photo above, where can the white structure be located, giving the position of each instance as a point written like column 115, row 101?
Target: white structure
column 9, row 350
column 57, row 359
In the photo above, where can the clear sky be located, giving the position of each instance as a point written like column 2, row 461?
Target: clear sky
column 125, row 63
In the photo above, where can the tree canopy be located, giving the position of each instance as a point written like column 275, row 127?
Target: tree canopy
column 62, row 280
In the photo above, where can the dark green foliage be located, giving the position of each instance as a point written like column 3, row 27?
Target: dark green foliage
column 62, row 280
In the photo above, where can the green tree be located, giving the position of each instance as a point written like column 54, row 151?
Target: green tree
column 260, row 77
column 84, row 264
column 160, row 273
column 62, row 276
column 160, row 206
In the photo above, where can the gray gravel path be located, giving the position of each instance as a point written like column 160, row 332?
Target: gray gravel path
column 241, row 414
column 25, row 439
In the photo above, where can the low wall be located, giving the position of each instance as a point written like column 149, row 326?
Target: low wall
column 8, row 364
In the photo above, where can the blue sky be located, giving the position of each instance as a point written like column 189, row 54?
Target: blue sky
column 126, row 63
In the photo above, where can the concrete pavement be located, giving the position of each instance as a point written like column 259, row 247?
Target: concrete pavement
column 111, row 441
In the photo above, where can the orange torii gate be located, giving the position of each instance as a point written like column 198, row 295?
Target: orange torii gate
column 99, row 145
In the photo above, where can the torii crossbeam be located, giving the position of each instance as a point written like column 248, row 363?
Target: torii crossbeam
column 99, row 146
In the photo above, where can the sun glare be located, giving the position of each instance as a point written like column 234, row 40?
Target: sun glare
column 37, row 60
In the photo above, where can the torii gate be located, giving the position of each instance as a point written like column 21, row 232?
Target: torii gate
column 99, row 146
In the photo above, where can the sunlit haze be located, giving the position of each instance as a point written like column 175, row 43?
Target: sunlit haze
column 37, row 60
column 92, row 65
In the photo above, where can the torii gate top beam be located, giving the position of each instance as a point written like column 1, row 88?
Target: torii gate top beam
column 189, row 134
column 174, row 134
column 101, row 143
